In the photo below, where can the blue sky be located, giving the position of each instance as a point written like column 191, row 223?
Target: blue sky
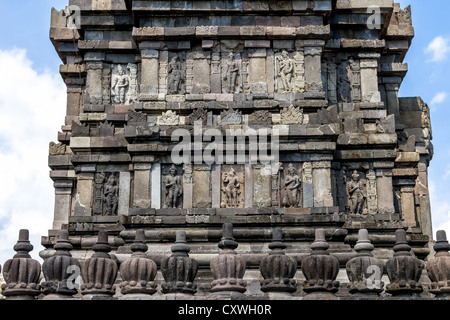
column 32, row 108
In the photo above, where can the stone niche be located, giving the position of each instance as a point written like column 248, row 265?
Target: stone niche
column 124, row 85
column 171, row 187
column 106, row 197
column 233, row 186
column 291, row 193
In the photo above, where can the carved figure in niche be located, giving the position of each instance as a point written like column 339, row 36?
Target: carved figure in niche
column 231, row 74
column 175, row 75
column 343, row 83
column 120, row 85
column 357, row 194
column 285, row 68
column 292, row 184
column 111, row 196
column 232, row 189
column 173, row 188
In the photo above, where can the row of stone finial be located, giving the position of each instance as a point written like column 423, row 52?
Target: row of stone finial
column 320, row 269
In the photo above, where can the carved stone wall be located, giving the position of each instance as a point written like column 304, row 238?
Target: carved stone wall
column 298, row 82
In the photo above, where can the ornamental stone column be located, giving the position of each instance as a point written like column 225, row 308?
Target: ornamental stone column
column 320, row 270
column 278, row 269
column 364, row 271
column 99, row 272
column 138, row 273
column 21, row 273
column 60, row 271
column 438, row 268
column 228, row 268
column 404, row 269
column 179, row 270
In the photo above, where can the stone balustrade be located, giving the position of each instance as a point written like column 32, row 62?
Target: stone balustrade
column 103, row 277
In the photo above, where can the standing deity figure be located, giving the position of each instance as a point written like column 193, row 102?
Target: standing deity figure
column 232, row 188
column 173, row 188
column 231, row 73
column 357, row 194
column 111, row 195
column 175, row 75
column 284, row 72
column 120, row 85
column 292, row 184
column 343, row 83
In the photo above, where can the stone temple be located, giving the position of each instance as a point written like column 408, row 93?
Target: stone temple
column 239, row 150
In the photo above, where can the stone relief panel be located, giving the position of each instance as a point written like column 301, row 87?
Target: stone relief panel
column 292, row 115
column 106, row 198
column 260, row 117
column 124, row 84
column 172, row 187
column 169, row 118
column 357, row 192
column 291, row 186
column 231, row 72
column 284, row 72
column 56, row 149
column 176, row 80
column 232, row 187
column 230, row 117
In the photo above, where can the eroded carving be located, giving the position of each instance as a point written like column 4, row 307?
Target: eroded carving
column 357, row 194
column 284, row 68
column 292, row 185
column 169, row 118
column 173, row 188
column 176, row 76
column 56, row 149
column 231, row 190
column 230, row 116
column 231, row 74
column 292, row 115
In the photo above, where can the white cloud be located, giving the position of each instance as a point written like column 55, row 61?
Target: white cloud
column 439, row 98
column 32, row 109
column 438, row 49
column 440, row 208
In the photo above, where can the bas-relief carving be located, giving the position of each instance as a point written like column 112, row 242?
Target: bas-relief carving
column 232, row 189
column 136, row 116
column 56, row 149
column 284, row 70
column 357, row 194
column 355, row 70
column 372, row 202
column 292, row 115
column 172, row 188
column 124, row 84
column 260, row 117
column 169, row 118
column 188, row 170
column 176, row 76
column 332, row 79
column 232, row 79
column 231, row 117
column 106, row 198
column 291, row 185
column 199, row 114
